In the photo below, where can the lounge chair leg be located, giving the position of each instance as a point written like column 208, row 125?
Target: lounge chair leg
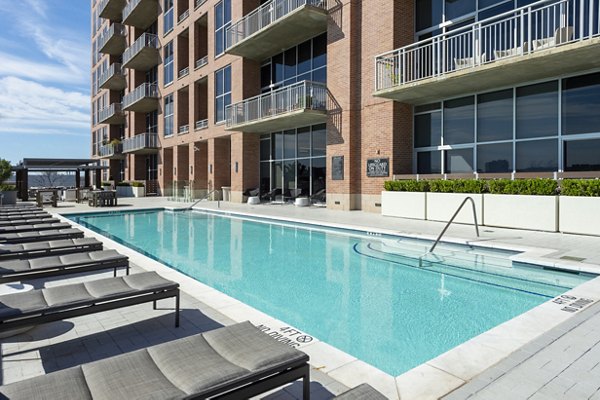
column 177, row 310
column 127, row 270
column 306, row 384
column 115, row 272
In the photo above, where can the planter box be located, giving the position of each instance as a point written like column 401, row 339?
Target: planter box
column 538, row 213
column 579, row 215
column 404, row 204
column 124, row 191
column 138, row 191
column 9, row 197
column 441, row 207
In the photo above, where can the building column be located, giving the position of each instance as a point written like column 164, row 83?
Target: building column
column 165, row 171
column 219, row 162
column 245, row 168
column 86, row 177
column 181, row 164
column 198, row 159
column 77, row 178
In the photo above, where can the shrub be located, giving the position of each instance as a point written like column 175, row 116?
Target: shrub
column 407, row 186
column 137, row 184
column 7, row 188
column 537, row 186
column 5, row 170
column 123, row 184
column 580, row 187
column 458, row 186
column 106, row 183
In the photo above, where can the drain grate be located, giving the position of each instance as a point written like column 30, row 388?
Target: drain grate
column 572, row 258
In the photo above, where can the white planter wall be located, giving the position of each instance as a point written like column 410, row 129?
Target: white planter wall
column 9, row 197
column 404, row 204
column 522, row 212
column 579, row 215
column 441, row 207
column 138, row 191
column 124, row 191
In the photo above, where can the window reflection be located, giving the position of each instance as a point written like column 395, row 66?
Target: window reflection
column 582, row 155
column 459, row 126
column 536, row 156
column 537, row 110
column 581, row 104
column 495, row 158
column 458, row 161
column 495, row 116
column 429, row 162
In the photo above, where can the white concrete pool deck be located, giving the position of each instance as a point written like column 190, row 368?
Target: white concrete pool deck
column 335, row 370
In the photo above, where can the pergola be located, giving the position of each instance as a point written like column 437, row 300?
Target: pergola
column 55, row 165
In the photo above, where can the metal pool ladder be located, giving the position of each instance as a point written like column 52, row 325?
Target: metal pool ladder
column 452, row 219
column 204, row 198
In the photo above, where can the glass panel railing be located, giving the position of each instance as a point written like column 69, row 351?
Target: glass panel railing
column 539, row 26
column 264, row 16
column 304, row 95
column 146, row 40
column 144, row 90
column 201, row 62
column 202, row 124
column 110, row 111
column 114, row 69
column 110, row 150
column 113, row 30
column 141, row 141
column 131, row 5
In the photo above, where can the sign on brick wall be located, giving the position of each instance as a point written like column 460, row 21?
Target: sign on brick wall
column 337, row 168
column 378, row 167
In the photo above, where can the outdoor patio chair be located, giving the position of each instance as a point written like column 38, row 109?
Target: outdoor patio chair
column 319, row 196
column 51, row 248
column 33, row 227
column 361, row 392
column 27, row 221
column 37, row 236
column 561, row 35
column 271, row 195
column 251, row 192
column 19, row 207
column 468, row 62
column 22, row 213
column 233, row 362
column 16, row 270
column 18, row 310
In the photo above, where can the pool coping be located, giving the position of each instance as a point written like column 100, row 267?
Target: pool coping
column 432, row 379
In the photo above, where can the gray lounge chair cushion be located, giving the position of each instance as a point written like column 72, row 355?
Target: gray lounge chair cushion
column 41, row 234
column 79, row 294
column 34, row 227
column 129, row 376
column 29, row 221
column 68, row 384
column 362, row 392
column 50, row 245
column 64, row 261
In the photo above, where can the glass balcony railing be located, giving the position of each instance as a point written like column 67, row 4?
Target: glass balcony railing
column 201, row 62
column 183, row 72
column 111, row 151
column 112, row 40
column 145, row 41
column 183, row 16
column 144, row 91
column 300, row 96
column 515, row 34
column 142, row 143
column 202, row 124
column 111, row 114
column 183, row 129
column 113, row 78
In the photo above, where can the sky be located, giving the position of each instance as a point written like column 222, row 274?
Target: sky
column 44, row 79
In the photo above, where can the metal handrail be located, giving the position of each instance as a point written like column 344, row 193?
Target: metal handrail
column 146, row 40
column 205, row 198
column 113, row 70
column 452, row 219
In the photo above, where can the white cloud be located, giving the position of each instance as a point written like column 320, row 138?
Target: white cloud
column 29, row 107
column 39, row 71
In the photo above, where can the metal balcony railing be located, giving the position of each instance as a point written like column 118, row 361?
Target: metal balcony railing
column 202, row 124
column 304, row 95
column 131, row 5
column 183, row 129
column 183, row 72
column 199, row 3
column 111, row 150
column 264, row 16
column 110, row 111
column 201, row 62
column 114, row 29
column 144, row 90
column 525, row 30
column 140, row 142
column 145, row 40
column 183, row 16
column 115, row 69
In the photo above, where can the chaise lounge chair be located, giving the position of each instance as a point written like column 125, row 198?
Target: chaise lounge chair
column 34, row 227
column 28, row 221
column 21, row 212
column 18, row 310
column 16, row 270
column 233, row 362
column 37, row 236
column 361, row 392
column 51, row 248
column 272, row 195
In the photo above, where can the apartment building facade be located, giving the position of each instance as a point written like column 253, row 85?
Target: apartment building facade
column 340, row 95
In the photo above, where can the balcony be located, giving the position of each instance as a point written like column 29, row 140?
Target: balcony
column 300, row 104
column 198, row 3
column 112, row 151
column 545, row 39
column 276, row 25
column 112, row 40
column 140, row 13
column 183, row 16
column 143, row 98
column 202, row 124
column 184, row 129
column 143, row 54
column 113, row 78
column 201, row 62
column 144, row 143
column 183, row 72
column 111, row 9
column 112, row 115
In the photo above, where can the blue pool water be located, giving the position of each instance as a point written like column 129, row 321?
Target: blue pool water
column 369, row 296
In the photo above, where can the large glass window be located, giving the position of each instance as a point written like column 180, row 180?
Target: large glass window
column 495, row 116
column 536, row 155
column 581, row 104
column 537, row 110
column 495, row 158
column 168, row 62
column 458, row 161
column 429, row 162
column 459, row 121
column 222, row 22
column 169, row 108
column 582, row 155
column 428, row 129
column 222, row 92
column 168, row 16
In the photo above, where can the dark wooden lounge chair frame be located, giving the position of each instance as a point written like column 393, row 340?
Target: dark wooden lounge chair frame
column 93, row 306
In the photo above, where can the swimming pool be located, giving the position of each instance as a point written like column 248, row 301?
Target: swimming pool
column 373, row 297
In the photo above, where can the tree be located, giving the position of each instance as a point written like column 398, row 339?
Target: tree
column 47, row 179
column 5, row 170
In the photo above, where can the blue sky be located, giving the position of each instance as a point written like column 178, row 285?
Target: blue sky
column 44, row 79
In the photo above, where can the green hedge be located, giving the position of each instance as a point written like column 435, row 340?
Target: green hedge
column 407, row 186
column 539, row 187
column 580, row 187
column 123, row 184
column 7, row 188
column 458, row 186
column 137, row 184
